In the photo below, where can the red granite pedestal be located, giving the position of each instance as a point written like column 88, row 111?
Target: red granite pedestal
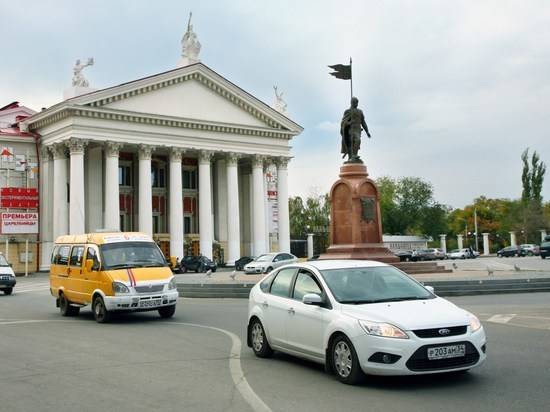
column 355, row 224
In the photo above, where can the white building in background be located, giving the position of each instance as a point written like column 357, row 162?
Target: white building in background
column 180, row 155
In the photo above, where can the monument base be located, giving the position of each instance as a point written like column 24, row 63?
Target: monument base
column 355, row 224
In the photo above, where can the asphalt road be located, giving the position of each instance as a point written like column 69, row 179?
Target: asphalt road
column 526, row 263
column 140, row 362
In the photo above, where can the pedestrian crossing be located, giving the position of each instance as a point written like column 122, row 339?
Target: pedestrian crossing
column 31, row 287
column 525, row 320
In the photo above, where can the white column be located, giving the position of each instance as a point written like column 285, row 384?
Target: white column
column 460, row 239
column 221, row 204
column 310, row 245
column 233, row 212
column 94, row 188
column 542, row 235
column 145, row 220
column 443, row 242
column 485, row 244
column 266, row 208
column 282, row 204
column 77, row 214
column 60, row 206
column 46, row 241
column 513, row 239
column 258, row 209
column 206, row 227
column 176, row 204
column 112, row 195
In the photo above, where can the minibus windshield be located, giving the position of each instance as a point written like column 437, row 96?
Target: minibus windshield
column 123, row 255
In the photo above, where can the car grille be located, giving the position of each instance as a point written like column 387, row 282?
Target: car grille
column 419, row 361
column 434, row 333
column 5, row 277
column 149, row 288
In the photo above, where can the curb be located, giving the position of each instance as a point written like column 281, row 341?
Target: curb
column 241, row 290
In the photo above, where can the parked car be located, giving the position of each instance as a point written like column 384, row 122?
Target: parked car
column 510, row 251
column 530, row 249
column 7, row 277
column 439, row 254
column 404, row 255
column 239, row 263
column 545, row 248
column 197, row 263
column 459, row 254
column 355, row 318
column 423, row 254
column 266, row 263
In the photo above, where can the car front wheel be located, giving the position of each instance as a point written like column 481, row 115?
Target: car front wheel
column 167, row 311
column 345, row 361
column 260, row 345
column 8, row 291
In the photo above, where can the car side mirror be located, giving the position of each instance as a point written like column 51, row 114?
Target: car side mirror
column 430, row 289
column 312, row 299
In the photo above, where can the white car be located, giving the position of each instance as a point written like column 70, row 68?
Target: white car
column 459, row 254
column 361, row 317
column 269, row 261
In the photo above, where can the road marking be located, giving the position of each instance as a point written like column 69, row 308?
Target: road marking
column 501, row 318
column 237, row 374
column 235, row 368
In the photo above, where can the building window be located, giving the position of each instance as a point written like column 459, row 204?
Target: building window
column 187, row 224
column 189, row 179
column 158, row 175
column 125, row 175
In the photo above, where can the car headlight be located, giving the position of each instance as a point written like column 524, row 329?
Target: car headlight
column 172, row 284
column 120, row 288
column 385, row 330
column 475, row 324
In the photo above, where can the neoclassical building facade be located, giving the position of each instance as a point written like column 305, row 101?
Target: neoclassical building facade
column 181, row 153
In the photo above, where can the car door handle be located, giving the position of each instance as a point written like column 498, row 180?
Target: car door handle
column 291, row 311
column 265, row 305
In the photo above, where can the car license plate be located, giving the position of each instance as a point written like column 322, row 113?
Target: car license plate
column 444, row 352
column 150, row 303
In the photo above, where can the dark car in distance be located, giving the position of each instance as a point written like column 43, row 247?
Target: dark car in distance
column 510, row 251
column 404, row 255
column 545, row 248
column 423, row 254
column 197, row 263
column 239, row 263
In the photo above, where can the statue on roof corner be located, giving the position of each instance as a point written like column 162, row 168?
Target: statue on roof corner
column 190, row 45
column 279, row 104
column 78, row 79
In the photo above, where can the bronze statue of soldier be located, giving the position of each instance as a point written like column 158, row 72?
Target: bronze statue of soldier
column 351, row 126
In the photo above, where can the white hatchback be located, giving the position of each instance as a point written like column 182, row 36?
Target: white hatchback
column 358, row 317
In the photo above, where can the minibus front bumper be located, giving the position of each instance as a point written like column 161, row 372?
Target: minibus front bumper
column 141, row 302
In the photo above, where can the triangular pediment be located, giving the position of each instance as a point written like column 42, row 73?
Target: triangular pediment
column 189, row 99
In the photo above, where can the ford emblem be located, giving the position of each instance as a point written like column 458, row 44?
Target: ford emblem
column 444, row 332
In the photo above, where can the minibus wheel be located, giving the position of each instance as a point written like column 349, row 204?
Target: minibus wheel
column 101, row 314
column 65, row 307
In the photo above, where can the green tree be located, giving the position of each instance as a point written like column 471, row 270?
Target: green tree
column 311, row 216
column 532, row 178
column 408, row 207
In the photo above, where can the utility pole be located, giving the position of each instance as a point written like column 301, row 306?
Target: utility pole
column 475, row 226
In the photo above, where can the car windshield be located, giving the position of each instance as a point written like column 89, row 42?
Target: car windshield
column 125, row 255
column 373, row 285
column 455, row 251
column 3, row 261
column 264, row 258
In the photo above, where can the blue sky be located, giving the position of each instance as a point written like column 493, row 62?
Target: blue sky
column 453, row 92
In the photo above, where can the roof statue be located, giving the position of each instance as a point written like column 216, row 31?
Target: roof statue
column 190, row 46
column 78, row 79
column 279, row 104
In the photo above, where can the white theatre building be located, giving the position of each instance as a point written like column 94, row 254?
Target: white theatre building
column 180, row 155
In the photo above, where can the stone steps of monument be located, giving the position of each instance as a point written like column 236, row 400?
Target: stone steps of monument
column 414, row 268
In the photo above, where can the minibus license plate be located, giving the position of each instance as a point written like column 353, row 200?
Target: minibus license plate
column 150, row 303
column 444, row 352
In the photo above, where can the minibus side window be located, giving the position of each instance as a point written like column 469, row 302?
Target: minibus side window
column 54, row 255
column 76, row 256
column 92, row 254
column 62, row 257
